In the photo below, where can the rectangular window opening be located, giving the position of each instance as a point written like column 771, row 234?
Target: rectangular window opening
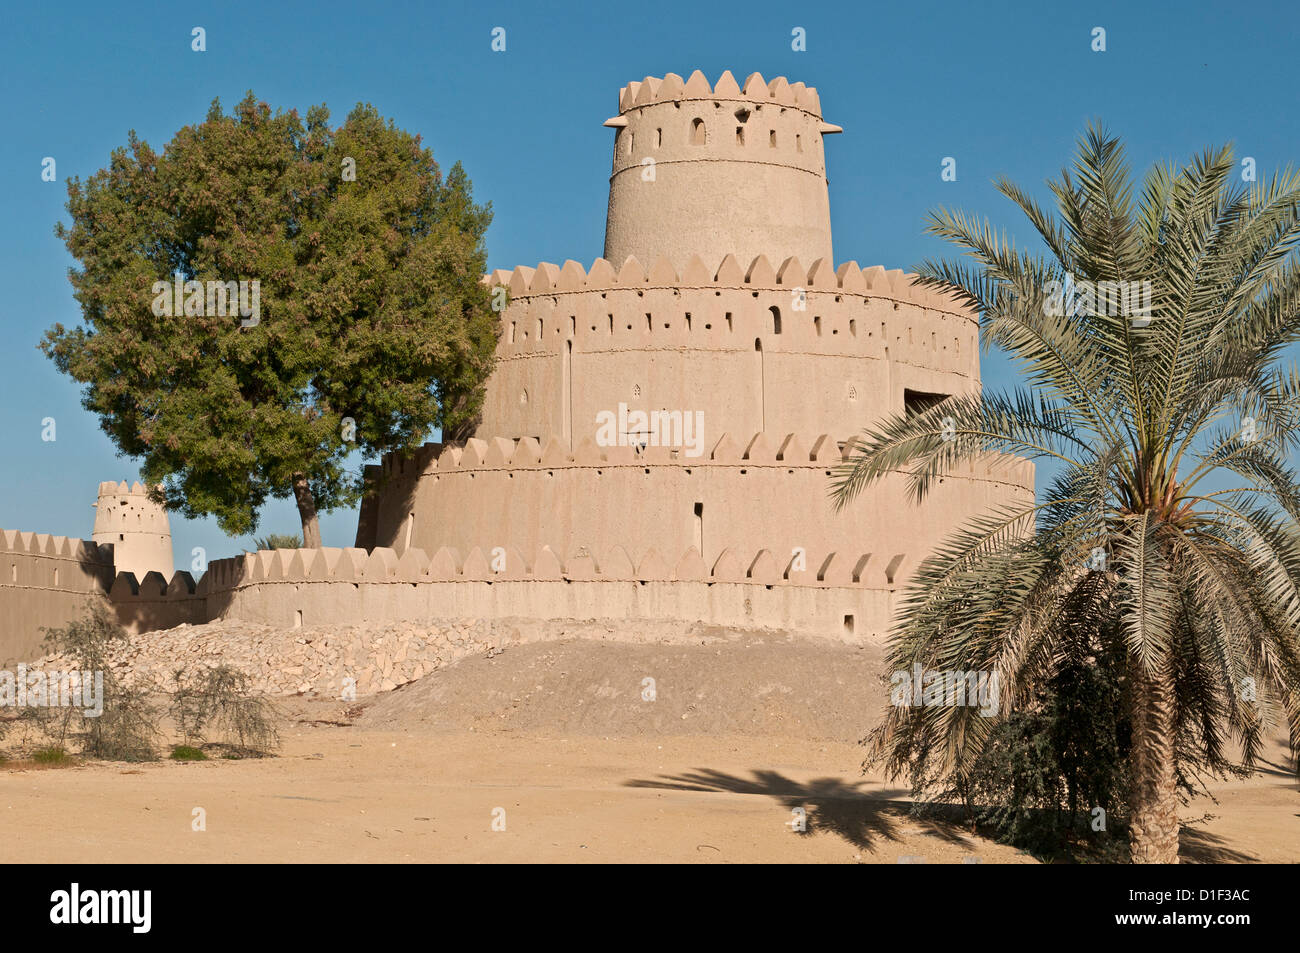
column 918, row 402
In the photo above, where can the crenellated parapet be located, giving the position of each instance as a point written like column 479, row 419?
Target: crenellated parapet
column 813, row 592
column 135, row 488
column 549, row 280
column 824, row 594
column 816, row 592
column 787, row 308
column 673, row 89
column 83, row 551
column 384, row 565
column 751, row 450
column 40, row 561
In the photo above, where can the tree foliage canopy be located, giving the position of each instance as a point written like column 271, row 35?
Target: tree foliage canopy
column 371, row 306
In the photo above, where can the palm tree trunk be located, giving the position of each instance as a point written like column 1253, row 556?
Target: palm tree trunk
column 306, row 512
column 1153, row 833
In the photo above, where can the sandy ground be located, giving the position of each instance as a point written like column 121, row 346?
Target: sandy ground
column 421, row 774
column 348, row 795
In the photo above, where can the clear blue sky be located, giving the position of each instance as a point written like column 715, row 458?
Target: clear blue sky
column 1004, row 88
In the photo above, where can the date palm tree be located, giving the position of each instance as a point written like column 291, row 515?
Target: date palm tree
column 1163, row 419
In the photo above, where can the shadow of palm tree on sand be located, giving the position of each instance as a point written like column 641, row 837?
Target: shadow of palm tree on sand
column 845, row 808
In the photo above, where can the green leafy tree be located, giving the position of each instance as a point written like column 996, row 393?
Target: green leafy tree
column 370, row 327
column 1169, row 525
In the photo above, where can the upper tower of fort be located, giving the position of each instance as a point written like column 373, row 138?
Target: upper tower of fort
column 136, row 527
column 717, row 293
column 716, row 172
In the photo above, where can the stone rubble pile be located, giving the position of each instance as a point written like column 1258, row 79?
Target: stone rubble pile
column 379, row 656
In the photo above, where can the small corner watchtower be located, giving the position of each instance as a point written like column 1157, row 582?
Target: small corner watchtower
column 136, row 527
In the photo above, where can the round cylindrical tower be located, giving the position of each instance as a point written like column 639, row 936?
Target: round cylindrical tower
column 717, row 172
column 680, row 406
column 136, row 527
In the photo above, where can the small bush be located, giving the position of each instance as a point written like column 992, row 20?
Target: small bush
column 217, row 704
column 126, row 728
column 51, row 756
column 1049, row 765
column 188, row 707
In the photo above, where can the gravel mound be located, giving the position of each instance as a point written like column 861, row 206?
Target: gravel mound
column 723, row 683
column 603, row 678
column 317, row 660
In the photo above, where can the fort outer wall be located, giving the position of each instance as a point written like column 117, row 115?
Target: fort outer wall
column 46, row 581
column 842, row 595
column 835, row 597
column 294, row 588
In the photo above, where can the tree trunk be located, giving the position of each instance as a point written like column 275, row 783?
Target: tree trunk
column 1153, row 833
column 307, row 512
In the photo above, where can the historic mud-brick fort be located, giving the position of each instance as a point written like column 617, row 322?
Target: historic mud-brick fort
column 659, row 429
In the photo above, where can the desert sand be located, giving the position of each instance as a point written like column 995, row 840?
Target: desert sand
column 586, row 769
